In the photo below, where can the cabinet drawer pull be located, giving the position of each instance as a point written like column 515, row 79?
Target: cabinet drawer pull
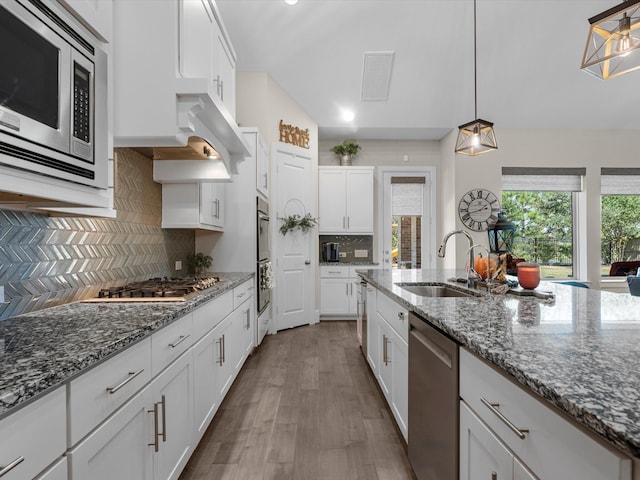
column 6, row 469
column 132, row 375
column 494, row 476
column 240, row 295
column 520, row 432
column 180, row 339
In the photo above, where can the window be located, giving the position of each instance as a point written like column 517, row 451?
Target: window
column 541, row 202
column 620, row 217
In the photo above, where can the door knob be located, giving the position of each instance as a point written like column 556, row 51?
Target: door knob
column 307, row 262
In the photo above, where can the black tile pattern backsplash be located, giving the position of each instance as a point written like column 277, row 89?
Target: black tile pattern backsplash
column 47, row 261
column 348, row 245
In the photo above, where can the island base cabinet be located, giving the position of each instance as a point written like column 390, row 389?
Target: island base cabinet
column 206, row 397
column 546, row 442
column 482, row 455
column 119, row 448
column 57, row 471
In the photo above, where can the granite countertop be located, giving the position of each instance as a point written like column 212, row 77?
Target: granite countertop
column 580, row 352
column 346, row 264
column 41, row 350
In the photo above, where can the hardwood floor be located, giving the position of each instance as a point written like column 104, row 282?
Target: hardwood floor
column 304, row 407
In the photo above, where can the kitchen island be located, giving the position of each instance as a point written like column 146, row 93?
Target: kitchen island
column 41, row 350
column 579, row 351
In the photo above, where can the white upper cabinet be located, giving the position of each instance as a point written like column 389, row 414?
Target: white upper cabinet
column 346, row 200
column 193, row 205
column 174, row 75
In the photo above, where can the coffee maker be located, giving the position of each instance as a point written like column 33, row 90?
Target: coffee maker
column 330, row 252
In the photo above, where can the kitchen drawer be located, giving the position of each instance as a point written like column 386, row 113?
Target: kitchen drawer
column 241, row 293
column 331, row 271
column 210, row 314
column 34, row 436
column 554, row 447
column 96, row 394
column 170, row 342
column 395, row 314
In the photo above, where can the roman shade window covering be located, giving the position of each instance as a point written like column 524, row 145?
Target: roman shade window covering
column 407, row 196
column 620, row 181
column 542, row 179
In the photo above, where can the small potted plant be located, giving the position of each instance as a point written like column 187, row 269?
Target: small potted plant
column 345, row 151
column 199, row 263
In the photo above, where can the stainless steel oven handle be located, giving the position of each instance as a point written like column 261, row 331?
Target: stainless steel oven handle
column 7, row 468
column 263, row 216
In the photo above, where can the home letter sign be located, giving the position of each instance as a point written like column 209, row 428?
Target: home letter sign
column 294, row 135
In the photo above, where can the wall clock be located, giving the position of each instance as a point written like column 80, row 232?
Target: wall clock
column 478, row 209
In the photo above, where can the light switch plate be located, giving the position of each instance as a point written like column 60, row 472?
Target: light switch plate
column 343, row 254
column 178, row 264
column 361, row 253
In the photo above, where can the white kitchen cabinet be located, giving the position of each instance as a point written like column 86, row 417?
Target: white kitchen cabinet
column 97, row 16
column 185, row 49
column 373, row 350
column 173, row 429
column 388, row 353
column 345, row 200
column 339, row 290
column 193, row 205
column 547, row 444
column 482, row 455
column 33, row 437
column 121, row 447
column 98, row 393
column 260, row 154
column 207, row 398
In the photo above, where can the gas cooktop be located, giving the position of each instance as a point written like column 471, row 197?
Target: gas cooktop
column 156, row 290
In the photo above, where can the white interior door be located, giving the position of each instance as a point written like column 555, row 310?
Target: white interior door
column 408, row 209
column 294, row 194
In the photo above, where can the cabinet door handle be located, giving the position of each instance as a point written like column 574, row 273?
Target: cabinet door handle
column 219, row 342
column 180, row 339
column 218, row 85
column 224, row 352
column 346, row 286
column 347, row 221
column 164, row 418
column 520, row 432
column 155, row 444
column 384, row 349
column 132, row 375
column 266, row 180
column 216, row 202
column 7, row 468
column 248, row 319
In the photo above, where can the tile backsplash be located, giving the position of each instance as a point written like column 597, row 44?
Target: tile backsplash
column 353, row 248
column 47, row 261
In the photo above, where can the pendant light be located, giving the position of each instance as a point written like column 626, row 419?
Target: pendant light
column 476, row 137
column 613, row 41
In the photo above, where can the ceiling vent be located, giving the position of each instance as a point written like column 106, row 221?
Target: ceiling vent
column 376, row 76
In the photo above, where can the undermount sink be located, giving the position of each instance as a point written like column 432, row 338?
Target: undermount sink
column 434, row 290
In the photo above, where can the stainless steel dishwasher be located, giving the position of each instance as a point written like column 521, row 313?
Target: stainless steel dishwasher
column 433, row 402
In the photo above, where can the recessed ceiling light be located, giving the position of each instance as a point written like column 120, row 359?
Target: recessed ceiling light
column 348, row 115
column 291, row 2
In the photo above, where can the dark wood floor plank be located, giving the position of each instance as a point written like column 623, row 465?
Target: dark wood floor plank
column 304, row 407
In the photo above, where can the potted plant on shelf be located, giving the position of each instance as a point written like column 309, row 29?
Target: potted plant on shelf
column 345, row 151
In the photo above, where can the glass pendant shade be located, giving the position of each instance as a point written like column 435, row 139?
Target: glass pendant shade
column 613, row 43
column 476, row 137
column 501, row 235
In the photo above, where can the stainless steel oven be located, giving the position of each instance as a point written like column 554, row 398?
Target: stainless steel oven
column 265, row 272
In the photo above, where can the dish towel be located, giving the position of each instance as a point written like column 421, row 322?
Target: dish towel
column 267, row 279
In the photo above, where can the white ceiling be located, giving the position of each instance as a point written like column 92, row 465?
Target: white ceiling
column 529, row 53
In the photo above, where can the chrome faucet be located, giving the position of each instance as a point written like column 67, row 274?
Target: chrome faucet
column 472, row 276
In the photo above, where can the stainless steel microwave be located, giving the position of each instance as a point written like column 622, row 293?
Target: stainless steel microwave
column 53, row 95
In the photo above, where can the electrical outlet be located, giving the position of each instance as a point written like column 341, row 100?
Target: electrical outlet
column 1, row 294
column 178, row 265
column 343, row 254
column 361, row 253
